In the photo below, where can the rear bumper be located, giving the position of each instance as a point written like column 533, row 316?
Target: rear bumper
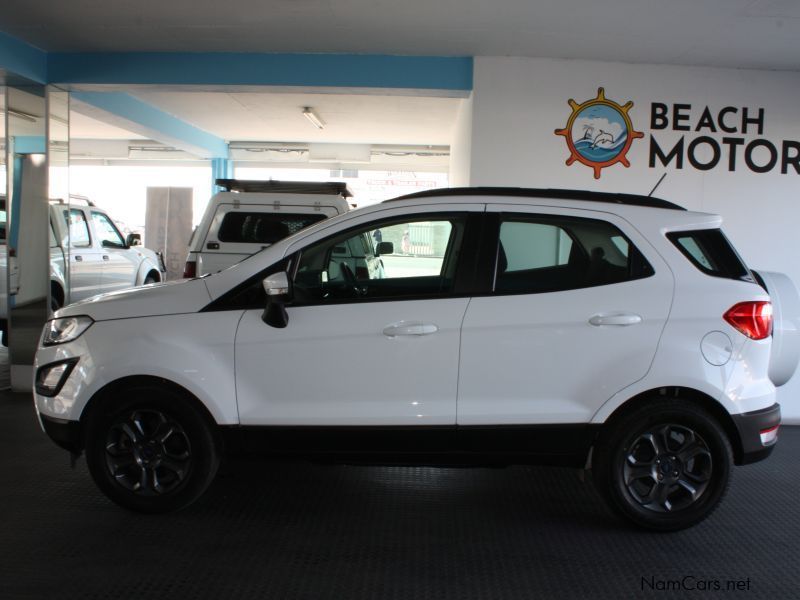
column 750, row 425
column 64, row 433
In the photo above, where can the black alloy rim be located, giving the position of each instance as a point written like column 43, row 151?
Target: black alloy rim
column 667, row 468
column 148, row 453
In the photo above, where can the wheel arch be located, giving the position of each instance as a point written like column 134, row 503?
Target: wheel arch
column 697, row 397
column 58, row 292
column 109, row 389
column 147, row 267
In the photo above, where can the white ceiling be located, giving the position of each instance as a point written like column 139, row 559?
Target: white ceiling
column 731, row 33
column 349, row 118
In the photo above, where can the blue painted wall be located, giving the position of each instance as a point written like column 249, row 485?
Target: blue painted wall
column 224, row 68
column 322, row 70
column 156, row 120
column 21, row 58
column 30, row 144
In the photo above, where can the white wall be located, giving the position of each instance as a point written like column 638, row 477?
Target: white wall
column 518, row 103
column 461, row 145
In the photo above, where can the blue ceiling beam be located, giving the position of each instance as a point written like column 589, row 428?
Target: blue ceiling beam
column 220, row 68
column 130, row 113
column 20, row 58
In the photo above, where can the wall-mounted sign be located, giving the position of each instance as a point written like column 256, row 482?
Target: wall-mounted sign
column 599, row 134
column 704, row 152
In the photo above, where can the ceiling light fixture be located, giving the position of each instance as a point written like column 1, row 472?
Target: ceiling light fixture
column 21, row 115
column 309, row 114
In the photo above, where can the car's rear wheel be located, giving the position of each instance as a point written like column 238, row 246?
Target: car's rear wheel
column 150, row 450
column 664, row 466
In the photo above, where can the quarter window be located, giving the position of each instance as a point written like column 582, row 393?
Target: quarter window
column 411, row 258
column 711, row 252
column 547, row 254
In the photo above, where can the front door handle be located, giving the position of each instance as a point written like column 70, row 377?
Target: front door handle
column 619, row 320
column 78, row 258
column 105, row 257
column 409, row 328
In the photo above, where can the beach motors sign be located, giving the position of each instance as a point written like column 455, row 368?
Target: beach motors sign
column 599, row 134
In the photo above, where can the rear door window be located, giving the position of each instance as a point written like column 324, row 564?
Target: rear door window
column 711, row 252
column 78, row 228
column 549, row 254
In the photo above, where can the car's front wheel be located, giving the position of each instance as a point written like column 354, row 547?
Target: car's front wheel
column 664, row 466
column 150, row 450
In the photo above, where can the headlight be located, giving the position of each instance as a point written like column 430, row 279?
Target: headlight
column 66, row 329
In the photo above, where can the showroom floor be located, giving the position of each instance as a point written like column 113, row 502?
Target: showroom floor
column 295, row 530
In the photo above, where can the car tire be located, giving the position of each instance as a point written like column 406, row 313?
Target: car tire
column 664, row 466
column 150, row 279
column 150, row 450
column 55, row 304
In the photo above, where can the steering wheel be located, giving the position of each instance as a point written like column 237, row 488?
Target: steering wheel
column 350, row 279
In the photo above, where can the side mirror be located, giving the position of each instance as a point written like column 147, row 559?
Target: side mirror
column 384, row 248
column 133, row 239
column 277, row 289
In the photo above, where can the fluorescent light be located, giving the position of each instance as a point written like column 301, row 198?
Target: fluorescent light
column 309, row 114
column 21, row 115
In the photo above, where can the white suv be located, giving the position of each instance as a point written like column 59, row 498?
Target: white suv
column 617, row 333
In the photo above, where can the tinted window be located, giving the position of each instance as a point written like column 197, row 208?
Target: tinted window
column 417, row 260
column 711, row 252
column 262, row 228
column 545, row 254
column 3, row 218
column 78, row 228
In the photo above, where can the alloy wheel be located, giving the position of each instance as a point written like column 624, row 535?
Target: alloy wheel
column 667, row 468
column 148, row 453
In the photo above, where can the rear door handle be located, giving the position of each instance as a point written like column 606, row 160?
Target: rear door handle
column 78, row 258
column 619, row 320
column 105, row 257
column 409, row 328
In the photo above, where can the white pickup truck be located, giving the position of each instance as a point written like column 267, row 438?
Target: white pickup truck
column 84, row 237
column 252, row 215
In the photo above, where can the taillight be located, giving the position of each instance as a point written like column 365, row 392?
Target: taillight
column 190, row 269
column 754, row 319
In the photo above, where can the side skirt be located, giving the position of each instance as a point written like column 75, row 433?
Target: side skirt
column 497, row 445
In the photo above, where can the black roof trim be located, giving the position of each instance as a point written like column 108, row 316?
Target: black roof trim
column 285, row 187
column 582, row 195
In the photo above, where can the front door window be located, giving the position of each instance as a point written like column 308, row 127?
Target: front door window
column 412, row 258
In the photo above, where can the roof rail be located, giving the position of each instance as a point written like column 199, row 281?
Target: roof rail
column 73, row 198
column 582, row 195
column 285, row 187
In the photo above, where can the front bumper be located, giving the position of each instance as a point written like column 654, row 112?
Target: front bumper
column 64, row 433
column 750, row 425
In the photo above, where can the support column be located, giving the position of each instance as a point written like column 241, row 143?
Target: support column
column 221, row 168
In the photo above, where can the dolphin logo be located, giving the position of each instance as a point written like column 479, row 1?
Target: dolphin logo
column 602, row 138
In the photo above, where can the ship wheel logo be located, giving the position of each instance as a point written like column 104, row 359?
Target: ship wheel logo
column 599, row 133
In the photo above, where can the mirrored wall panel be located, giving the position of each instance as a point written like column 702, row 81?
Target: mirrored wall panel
column 27, row 227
